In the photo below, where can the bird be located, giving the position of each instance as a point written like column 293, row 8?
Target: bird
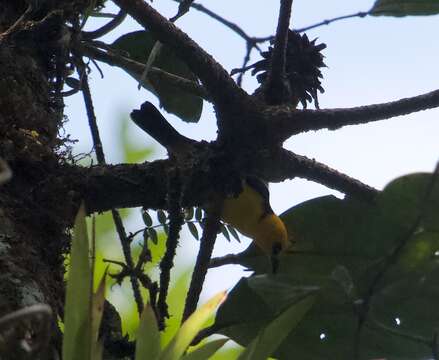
column 250, row 213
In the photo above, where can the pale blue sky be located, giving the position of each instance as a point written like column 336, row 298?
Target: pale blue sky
column 369, row 60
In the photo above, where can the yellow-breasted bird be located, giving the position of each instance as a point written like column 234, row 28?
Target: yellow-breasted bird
column 251, row 214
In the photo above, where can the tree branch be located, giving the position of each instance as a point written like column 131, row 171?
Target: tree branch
column 286, row 122
column 155, row 74
column 228, row 259
column 214, row 77
column 150, row 120
column 360, row 14
column 167, row 263
column 130, row 184
column 283, row 164
column 231, row 25
column 207, row 243
column 277, row 90
column 111, row 25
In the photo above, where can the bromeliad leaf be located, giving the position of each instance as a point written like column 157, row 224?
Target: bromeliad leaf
column 77, row 321
column 191, row 327
column 148, row 336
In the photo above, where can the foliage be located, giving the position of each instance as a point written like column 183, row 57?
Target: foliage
column 360, row 260
column 343, row 288
column 83, row 309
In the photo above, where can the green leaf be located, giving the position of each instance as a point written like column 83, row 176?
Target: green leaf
column 198, row 214
column 148, row 336
column 189, row 213
column 77, row 319
column 190, row 328
column 153, row 235
column 98, row 301
column 147, row 220
column 139, row 45
column 405, row 7
column 193, row 229
column 234, row 233
column 269, row 338
column 225, row 232
column 177, row 292
column 206, row 351
column 161, row 217
column 340, row 248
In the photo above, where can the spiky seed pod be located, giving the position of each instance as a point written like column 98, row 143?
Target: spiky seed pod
column 304, row 60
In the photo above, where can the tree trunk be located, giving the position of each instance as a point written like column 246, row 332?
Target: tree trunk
column 35, row 211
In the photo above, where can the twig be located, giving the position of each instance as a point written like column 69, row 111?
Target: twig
column 183, row 8
column 360, row 14
column 101, row 160
column 111, row 25
column 92, row 122
column 111, row 58
column 207, row 243
column 286, row 122
column 277, row 90
column 19, row 22
column 244, row 64
column 128, row 258
column 226, row 260
column 231, row 25
column 167, row 263
column 222, row 89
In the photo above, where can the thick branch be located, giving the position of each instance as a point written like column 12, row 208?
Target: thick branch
column 286, row 122
column 130, row 185
column 214, row 77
